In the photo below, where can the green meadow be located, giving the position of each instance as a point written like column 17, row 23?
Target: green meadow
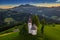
column 50, row 33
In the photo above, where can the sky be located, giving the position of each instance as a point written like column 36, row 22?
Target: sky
column 12, row 3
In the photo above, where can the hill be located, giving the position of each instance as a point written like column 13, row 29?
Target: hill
column 51, row 33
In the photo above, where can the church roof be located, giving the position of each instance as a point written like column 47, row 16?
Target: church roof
column 34, row 27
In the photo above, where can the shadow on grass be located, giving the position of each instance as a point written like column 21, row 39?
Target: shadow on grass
column 29, row 37
column 46, row 37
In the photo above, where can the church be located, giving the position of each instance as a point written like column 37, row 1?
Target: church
column 32, row 28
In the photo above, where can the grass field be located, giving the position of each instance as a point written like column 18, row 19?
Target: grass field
column 51, row 33
column 9, row 36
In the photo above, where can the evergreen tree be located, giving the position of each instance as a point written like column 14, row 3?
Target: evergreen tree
column 53, row 24
column 35, row 20
column 43, row 24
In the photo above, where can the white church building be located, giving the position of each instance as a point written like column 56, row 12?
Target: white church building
column 32, row 28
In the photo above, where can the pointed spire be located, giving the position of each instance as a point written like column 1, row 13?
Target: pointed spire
column 30, row 20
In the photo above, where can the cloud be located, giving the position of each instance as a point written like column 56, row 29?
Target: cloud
column 6, row 7
column 58, row 1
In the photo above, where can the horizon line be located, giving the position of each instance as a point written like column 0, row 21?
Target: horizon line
column 38, row 5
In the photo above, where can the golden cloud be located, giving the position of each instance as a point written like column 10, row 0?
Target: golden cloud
column 6, row 7
column 48, row 5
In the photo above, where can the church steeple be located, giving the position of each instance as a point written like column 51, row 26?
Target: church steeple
column 29, row 24
column 30, row 19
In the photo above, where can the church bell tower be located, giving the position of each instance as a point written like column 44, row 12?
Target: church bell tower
column 29, row 25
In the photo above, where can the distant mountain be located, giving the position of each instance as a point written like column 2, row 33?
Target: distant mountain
column 54, row 11
column 26, row 8
column 47, row 11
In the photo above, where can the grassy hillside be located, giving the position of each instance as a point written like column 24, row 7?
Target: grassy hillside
column 51, row 33
column 9, row 36
column 8, row 31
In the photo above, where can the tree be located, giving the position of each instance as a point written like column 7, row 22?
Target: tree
column 53, row 24
column 8, row 20
column 43, row 24
column 35, row 19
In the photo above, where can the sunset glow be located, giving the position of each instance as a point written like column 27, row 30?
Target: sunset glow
column 6, row 7
column 47, row 5
column 42, row 5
